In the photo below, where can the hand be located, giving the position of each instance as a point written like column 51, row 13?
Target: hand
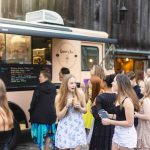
column 77, row 105
column 135, row 114
column 106, row 121
column 69, row 102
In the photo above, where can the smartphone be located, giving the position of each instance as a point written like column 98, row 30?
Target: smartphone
column 103, row 114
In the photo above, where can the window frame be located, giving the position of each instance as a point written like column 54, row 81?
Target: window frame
column 82, row 57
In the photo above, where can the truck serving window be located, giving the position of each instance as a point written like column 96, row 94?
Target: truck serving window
column 41, row 50
column 21, row 59
column 18, row 49
column 21, row 49
column 89, row 57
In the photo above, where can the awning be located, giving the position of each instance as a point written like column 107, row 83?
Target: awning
column 128, row 51
column 56, row 32
column 134, row 54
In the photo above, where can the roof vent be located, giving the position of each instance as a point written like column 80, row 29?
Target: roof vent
column 44, row 16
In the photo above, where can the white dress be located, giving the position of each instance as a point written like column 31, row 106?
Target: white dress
column 70, row 131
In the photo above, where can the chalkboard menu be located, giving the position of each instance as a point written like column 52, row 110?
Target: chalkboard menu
column 21, row 76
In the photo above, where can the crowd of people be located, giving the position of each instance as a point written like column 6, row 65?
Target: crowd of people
column 108, row 112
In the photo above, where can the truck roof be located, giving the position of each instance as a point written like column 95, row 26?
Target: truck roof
column 53, row 31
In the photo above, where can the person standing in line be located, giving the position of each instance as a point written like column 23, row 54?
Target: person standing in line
column 97, row 76
column 141, row 84
column 125, row 136
column 135, row 86
column 143, row 128
column 148, row 72
column 42, row 112
column 102, row 135
column 98, row 71
column 70, row 105
column 95, row 90
column 6, row 119
column 88, row 117
column 63, row 71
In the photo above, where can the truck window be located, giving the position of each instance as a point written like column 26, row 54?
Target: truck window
column 41, row 50
column 89, row 57
column 2, row 47
column 18, row 49
column 21, row 49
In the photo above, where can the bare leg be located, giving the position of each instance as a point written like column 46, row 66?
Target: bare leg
column 77, row 148
column 47, row 142
column 115, row 146
column 125, row 148
column 143, row 149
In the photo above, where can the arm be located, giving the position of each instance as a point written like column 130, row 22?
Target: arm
column 146, row 107
column 112, row 116
column 129, row 113
column 82, row 107
column 34, row 99
column 61, row 113
column 96, row 106
column 53, row 94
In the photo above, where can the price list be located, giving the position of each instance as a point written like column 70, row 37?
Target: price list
column 21, row 77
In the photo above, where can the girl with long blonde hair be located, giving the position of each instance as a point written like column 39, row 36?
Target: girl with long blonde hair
column 6, row 117
column 70, row 105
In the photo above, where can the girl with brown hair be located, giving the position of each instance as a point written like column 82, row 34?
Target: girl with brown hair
column 125, row 136
column 6, row 118
column 70, row 105
column 97, row 73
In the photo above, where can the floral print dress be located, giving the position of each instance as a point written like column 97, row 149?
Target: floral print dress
column 70, row 131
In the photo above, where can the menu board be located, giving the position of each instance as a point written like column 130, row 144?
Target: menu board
column 21, row 76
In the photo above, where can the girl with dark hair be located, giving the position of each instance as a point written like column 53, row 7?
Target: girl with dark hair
column 125, row 136
column 102, row 135
column 42, row 112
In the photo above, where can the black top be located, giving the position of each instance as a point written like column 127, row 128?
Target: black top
column 120, row 112
column 42, row 108
column 102, row 135
column 5, row 138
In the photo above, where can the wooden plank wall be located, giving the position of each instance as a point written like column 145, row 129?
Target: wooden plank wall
column 103, row 15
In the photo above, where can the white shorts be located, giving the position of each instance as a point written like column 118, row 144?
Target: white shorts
column 125, row 136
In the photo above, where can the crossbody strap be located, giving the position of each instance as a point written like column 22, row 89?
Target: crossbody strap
column 124, row 100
